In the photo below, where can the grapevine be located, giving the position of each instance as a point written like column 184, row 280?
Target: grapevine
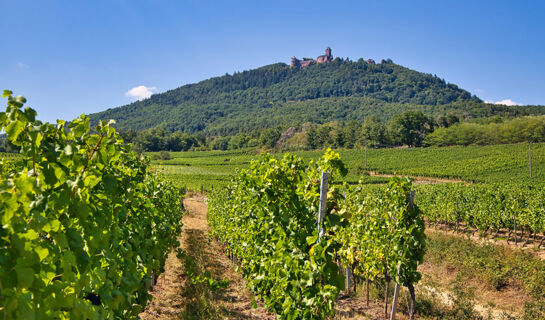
column 85, row 224
column 385, row 237
column 488, row 208
column 267, row 218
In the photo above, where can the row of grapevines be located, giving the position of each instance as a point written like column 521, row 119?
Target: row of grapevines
column 485, row 207
column 385, row 237
column 267, row 218
column 84, row 223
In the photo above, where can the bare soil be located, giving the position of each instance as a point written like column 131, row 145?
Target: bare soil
column 355, row 308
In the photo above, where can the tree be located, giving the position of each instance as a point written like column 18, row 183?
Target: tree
column 238, row 141
column 129, row 135
column 175, row 142
column 220, row 143
column 339, row 138
column 324, row 139
column 6, row 145
column 448, row 120
column 351, row 132
column 179, row 141
column 269, row 137
column 312, row 138
column 154, row 139
column 410, row 128
column 201, row 138
column 373, row 132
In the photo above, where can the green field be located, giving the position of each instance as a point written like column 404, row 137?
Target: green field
column 487, row 164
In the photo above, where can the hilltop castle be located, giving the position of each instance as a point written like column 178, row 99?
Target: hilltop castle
column 327, row 57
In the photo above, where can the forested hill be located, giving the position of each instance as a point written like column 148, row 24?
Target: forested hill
column 280, row 94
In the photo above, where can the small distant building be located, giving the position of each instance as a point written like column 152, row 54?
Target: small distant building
column 327, row 57
column 370, row 61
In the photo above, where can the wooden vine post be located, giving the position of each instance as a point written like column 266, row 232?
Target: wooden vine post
column 183, row 198
column 348, row 269
column 515, row 221
column 323, row 203
column 396, row 296
column 348, row 275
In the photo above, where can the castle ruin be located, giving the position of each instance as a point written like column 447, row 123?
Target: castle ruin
column 327, row 57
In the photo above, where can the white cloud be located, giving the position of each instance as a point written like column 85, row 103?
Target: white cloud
column 140, row 92
column 507, row 102
column 22, row 65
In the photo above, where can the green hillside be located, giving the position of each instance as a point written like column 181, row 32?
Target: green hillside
column 278, row 94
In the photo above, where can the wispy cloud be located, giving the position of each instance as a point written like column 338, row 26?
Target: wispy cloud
column 140, row 92
column 21, row 65
column 507, row 102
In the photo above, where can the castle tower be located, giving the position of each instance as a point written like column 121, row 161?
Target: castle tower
column 295, row 62
column 328, row 52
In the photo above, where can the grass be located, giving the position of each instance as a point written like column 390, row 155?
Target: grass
column 487, row 164
column 495, row 265
column 491, row 268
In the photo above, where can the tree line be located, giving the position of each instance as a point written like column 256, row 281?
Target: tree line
column 410, row 128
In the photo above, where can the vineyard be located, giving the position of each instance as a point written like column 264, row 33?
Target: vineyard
column 488, row 208
column 86, row 226
column 267, row 217
column 498, row 164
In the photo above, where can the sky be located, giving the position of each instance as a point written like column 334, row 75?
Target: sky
column 74, row 57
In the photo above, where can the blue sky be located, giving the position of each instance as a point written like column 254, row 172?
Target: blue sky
column 73, row 57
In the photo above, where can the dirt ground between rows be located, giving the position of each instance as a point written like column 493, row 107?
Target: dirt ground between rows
column 174, row 297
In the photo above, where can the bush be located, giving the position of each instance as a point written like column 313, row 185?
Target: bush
column 164, row 155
